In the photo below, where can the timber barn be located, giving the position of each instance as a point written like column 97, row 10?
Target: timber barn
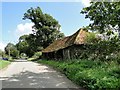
column 67, row 48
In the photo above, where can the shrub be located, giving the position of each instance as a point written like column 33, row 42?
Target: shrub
column 23, row 55
column 37, row 55
column 92, row 75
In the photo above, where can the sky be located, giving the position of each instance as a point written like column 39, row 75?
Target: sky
column 66, row 13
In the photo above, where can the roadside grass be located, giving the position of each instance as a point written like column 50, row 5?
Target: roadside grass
column 92, row 75
column 32, row 59
column 4, row 64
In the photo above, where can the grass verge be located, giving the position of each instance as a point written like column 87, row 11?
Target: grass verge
column 4, row 64
column 92, row 75
column 32, row 59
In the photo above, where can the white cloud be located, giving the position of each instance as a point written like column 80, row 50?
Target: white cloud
column 2, row 46
column 86, row 3
column 23, row 29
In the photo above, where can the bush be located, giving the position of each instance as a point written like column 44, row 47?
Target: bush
column 37, row 55
column 103, row 50
column 23, row 55
column 90, row 74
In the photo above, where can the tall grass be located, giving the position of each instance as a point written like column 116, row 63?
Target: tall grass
column 89, row 74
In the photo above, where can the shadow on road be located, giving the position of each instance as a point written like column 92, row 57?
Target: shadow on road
column 25, row 80
column 36, row 76
column 36, row 80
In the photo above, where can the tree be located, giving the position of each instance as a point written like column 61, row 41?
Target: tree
column 26, row 45
column 45, row 29
column 1, row 53
column 23, row 45
column 11, row 50
column 105, row 16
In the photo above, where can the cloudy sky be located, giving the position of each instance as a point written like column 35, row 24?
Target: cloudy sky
column 67, row 13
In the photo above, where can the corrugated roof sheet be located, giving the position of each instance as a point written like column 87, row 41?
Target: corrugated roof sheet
column 76, row 38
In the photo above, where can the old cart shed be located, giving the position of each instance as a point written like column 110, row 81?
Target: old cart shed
column 66, row 48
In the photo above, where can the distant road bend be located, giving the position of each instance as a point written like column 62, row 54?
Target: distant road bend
column 26, row 74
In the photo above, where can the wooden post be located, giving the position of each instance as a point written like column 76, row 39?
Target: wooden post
column 68, row 54
column 55, row 55
column 63, row 54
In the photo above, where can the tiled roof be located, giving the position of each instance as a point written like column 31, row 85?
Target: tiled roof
column 76, row 38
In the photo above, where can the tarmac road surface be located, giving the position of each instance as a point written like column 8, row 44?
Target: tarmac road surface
column 26, row 74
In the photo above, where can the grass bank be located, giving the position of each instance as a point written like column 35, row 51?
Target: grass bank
column 4, row 64
column 32, row 59
column 92, row 75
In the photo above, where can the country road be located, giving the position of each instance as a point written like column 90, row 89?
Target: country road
column 26, row 74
